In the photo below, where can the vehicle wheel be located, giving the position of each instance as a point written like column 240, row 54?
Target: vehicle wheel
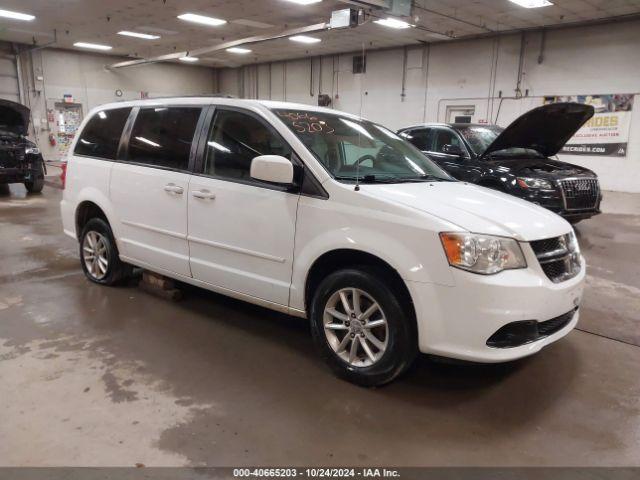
column 361, row 327
column 99, row 254
column 36, row 184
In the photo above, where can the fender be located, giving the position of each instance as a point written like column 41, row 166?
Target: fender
column 95, row 196
column 418, row 259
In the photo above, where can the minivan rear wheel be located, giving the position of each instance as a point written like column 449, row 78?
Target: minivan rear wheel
column 361, row 327
column 99, row 254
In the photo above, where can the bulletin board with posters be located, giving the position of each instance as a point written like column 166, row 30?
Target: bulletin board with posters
column 607, row 133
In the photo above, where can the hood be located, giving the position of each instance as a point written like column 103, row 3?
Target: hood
column 476, row 209
column 14, row 117
column 542, row 168
column 544, row 129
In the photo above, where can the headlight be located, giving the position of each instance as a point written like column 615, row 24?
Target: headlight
column 526, row 182
column 32, row 151
column 483, row 254
column 572, row 242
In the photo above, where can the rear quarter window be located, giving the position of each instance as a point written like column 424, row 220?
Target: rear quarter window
column 101, row 135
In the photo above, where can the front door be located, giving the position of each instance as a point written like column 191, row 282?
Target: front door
column 149, row 188
column 241, row 230
column 456, row 165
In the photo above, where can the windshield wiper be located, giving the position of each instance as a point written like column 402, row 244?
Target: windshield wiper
column 432, row 178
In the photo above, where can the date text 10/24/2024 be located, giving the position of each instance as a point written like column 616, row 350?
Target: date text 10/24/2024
column 337, row 473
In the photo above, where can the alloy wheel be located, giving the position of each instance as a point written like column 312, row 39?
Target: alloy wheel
column 356, row 327
column 95, row 254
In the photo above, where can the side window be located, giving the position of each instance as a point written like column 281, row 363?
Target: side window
column 421, row 138
column 445, row 137
column 235, row 140
column 101, row 135
column 162, row 136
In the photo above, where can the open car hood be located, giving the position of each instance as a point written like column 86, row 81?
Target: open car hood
column 14, row 117
column 544, row 129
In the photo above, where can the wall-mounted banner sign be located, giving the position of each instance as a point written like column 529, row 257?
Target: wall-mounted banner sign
column 607, row 133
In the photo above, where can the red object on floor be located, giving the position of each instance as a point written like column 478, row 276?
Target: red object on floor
column 63, row 175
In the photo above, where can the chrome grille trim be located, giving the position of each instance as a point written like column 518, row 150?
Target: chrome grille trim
column 579, row 193
column 555, row 258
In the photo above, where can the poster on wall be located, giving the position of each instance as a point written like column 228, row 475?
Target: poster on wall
column 607, row 133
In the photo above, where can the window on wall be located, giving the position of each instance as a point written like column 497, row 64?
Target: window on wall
column 162, row 136
column 101, row 136
column 359, row 64
column 235, row 140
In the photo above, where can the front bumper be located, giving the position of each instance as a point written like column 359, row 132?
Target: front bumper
column 458, row 321
column 553, row 200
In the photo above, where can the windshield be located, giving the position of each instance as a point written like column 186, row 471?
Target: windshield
column 479, row 139
column 351, row 149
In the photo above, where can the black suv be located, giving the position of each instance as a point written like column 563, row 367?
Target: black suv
column 517, row 159
column 20, row 159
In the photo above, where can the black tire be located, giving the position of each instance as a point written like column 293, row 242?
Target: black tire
column 401, row 348
column 116, row 270
column 36, row 184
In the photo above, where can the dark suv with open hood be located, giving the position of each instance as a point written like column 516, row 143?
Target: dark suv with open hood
column 20, row 159
column 517, row 159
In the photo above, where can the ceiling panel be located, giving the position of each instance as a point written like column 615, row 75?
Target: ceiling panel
column 98, row 21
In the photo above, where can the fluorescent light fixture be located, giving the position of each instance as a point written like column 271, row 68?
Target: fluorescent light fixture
column 147, row 141
column 217, row 146
column 532, row 3
column 202, row 19
column 189, row 59
column 239, row 50
column 304, row 39
column 16, row 15
column 146, row 36
column 304, row 2
column 357, row 127
column 392, row 23
column 93, row 46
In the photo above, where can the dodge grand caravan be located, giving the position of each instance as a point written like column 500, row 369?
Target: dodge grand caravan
column 323, row 215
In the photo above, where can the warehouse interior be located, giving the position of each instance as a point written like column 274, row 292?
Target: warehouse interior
column 95, row 376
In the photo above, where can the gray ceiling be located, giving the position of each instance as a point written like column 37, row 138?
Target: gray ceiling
column 98, row 21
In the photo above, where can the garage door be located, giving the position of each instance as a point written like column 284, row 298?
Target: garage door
column 8, row 75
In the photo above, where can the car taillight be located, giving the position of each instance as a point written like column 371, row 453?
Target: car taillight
column 63, row 175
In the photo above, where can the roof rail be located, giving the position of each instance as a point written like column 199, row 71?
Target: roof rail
column 202, row 95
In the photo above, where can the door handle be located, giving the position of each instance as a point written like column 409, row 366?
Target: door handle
column 173, row 188
column 204, row 194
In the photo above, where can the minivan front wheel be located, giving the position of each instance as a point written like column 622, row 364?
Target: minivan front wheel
column 361, row 327
column 99, row 254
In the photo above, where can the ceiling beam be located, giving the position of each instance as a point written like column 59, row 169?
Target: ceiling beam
column 318, row 27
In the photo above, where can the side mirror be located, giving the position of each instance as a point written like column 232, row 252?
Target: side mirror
column 452, row 150
column 273, row 169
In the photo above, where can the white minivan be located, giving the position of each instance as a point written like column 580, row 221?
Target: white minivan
column 323, row 215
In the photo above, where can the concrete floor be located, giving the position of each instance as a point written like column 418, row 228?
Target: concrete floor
column 114, row 376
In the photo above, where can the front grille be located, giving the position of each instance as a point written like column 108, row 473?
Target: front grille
column 546, row 245
column 556, row 259
column 580, row 193
column 10, row 159
column 515, row 334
